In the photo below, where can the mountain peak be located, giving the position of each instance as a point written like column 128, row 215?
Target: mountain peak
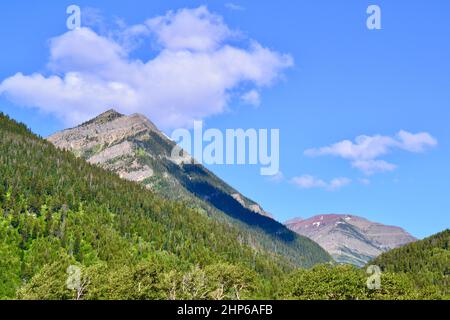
column 349, row 238
column 104, row 117
column 140, row 118
column 132, row 147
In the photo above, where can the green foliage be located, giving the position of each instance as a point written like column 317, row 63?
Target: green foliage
column 49, row 283
column 426, row 261
column 345, row 282
column 9, row 270
column 218, row 281
column 58, row 212
column 42, row 251
column 9, row 260
column 323, row 282
column 55, row 207
column 229, row 281
column 201, row 189
column 149, row 280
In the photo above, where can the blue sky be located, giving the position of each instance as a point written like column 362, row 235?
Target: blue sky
column 328, row 79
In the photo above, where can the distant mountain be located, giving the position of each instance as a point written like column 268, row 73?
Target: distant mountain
column 350, row 239
column 427, row 261
column 134, row 148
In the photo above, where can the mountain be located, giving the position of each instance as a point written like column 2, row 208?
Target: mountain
column 350, row 239
column 63, row 219
column 427, row 261
column 59, row 214
column 133, row 147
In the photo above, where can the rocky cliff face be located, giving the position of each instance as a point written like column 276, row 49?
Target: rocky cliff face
column 350, row 239
column 135, row 149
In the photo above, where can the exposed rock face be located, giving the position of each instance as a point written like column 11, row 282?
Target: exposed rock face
column 252, row 207
column 350, row 239
column 134, row 148
column 105, row 140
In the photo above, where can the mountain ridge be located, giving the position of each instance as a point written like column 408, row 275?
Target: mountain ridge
column 427, row 261
column 133, row 147
column 137, row 123
column 349, row 238
column 57, row 210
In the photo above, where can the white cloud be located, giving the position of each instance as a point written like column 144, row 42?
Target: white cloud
column 338, row 183
column 277, row 178
column 234, row 6
column 365, row 151
column 364, row 147
column 192, row 29
column 252, row 97
column 370, row 167
column 416, row 142
column 310, row 182
column 193, row 75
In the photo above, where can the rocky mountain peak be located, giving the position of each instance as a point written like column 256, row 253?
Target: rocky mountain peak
column 104, row 117
column 349, row 238
column 140, row 118
column 104, row 131
column 134, row 148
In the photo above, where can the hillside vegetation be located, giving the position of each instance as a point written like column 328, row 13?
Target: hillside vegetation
column 70, row 230
column 57, row 210
column 427, row 261
column 136, row 150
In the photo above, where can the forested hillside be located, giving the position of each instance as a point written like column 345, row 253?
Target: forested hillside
column 70, row 230
column 427, row 261
column 57, row 210
column 135, row 149
column 346, row 282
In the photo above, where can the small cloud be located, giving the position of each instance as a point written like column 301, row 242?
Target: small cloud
column 252, row 97
column 308, row 182
column 416, row 142
column 338, row 183
column 365, row 151
column 234, row 6
column 277, row 178
column 370, row 167
column 311, row 182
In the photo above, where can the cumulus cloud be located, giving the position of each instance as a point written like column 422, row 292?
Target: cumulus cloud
column 196, row 29
column 193, row 73
column 311, row 182
column 365, row 151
